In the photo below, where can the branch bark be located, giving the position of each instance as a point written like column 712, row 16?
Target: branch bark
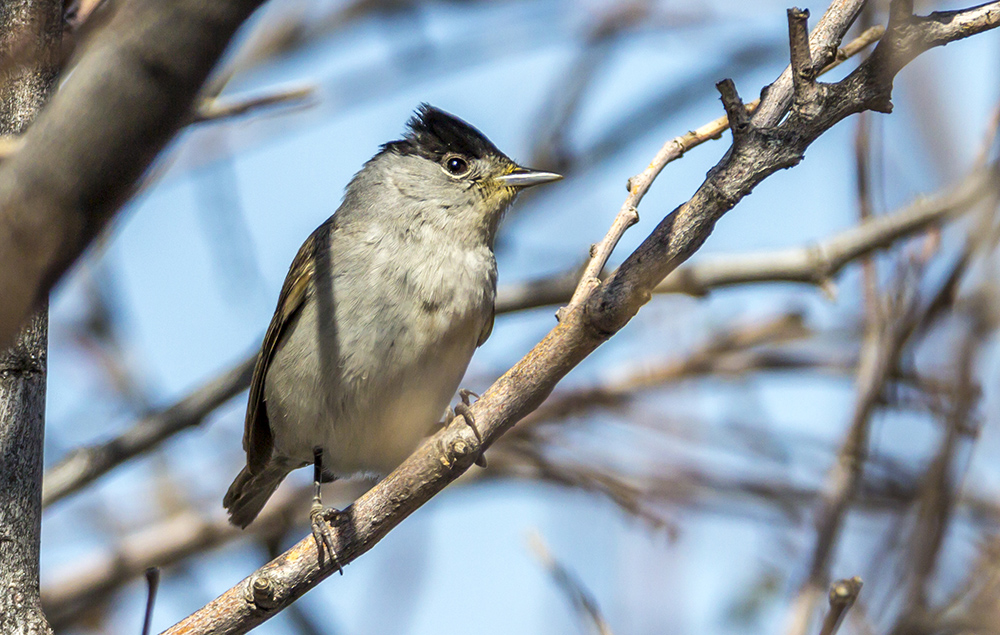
column 30, row 31
column 22, row 425
column 755, row 155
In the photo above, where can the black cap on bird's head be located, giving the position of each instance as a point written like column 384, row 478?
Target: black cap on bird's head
column 434, row 134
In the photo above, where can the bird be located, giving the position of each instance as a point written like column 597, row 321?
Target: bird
column 379, row 316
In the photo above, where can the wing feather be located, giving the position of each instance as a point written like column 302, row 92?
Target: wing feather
column 258, row 439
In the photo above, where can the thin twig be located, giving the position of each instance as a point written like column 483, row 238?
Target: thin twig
column 863, row 177
column 674, row 149
column 568, row 583
column 86, row 464
column 823, row 43
column 843, row 594
column 161, row 545
column 152, row 584
column 941, row 483
column 879, row 357
column 990, row 140
column 730, row 352
column 214, row 109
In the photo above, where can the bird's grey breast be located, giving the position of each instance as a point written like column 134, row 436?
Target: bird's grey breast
column 380, row 346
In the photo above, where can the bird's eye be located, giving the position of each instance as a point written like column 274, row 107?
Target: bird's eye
column 456, row 166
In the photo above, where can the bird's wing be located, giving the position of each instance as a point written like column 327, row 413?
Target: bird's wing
column 258, row 439
column 487, row 328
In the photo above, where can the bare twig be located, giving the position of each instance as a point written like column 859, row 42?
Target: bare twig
column 862, row 160
column 567, row 93
column 823, row 43
column 213, row 109
column 731, row 352
column 639, row 184
column 879, row 358
column 152, row 584
column 86, row 464
column 819, row 263
column 990, row 140
column 568, row 583
column 159, row 546
column 863, row 176
column 939, row 489
column 804, row 89
column 843, row 594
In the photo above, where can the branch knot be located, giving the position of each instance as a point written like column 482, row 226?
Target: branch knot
column 261, row 592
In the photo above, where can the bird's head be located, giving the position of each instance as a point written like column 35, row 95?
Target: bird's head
column 449, row 173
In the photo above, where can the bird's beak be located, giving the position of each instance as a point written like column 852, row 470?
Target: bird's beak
column 526, row 177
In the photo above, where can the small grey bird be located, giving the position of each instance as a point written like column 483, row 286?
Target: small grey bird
column 380, row 313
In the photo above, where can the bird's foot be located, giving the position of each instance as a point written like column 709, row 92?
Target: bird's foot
column 463, row 409
column 320, row 518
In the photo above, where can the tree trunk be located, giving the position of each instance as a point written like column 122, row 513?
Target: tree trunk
column 22, row 419
column 29, row 43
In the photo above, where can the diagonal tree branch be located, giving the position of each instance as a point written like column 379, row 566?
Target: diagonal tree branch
column 77, row 165
column 756, row 154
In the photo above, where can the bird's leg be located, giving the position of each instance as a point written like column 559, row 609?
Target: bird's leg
column 320, row 516
column 462, row 409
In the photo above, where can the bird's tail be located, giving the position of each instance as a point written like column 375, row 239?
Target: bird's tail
column 249, row 492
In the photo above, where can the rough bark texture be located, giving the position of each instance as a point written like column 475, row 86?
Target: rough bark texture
column 22, row 424
column 29, row 43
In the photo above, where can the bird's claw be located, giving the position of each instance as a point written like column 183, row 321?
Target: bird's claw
column 464, row 410
column 320, row 518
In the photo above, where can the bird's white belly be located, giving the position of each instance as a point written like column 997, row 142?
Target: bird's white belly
column 371, row 420
column 394, row 423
